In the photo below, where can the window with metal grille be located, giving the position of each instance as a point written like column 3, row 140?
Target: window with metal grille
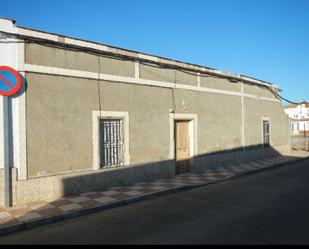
column 111, row 143
column 266, row 133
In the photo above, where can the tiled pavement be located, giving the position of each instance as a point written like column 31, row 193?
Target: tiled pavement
column 42, row 210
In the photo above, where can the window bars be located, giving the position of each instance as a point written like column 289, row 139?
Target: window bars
column 266, row 133
column 111, row 143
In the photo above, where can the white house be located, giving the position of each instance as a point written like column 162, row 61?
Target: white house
column 299, row 118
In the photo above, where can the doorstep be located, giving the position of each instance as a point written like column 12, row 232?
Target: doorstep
column 45, row 212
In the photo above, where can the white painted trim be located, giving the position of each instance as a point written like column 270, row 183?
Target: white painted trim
column 193, row 133
column 130, row 80
column 198, row 79
column 37, row 34
column 20, row 56
column 252, row 96
column 22, row 135
column 136, row 70
column 101, row 47
column 270, row 99
column 21, row 141
column 60, row 71
column 76, row 42
column 204, row 89
column 243, row 142
column 96, row 116
column 270, row 133
column 139, row 81
column 148, row 57
column 2, row 142
column 8, row 57
column 16, row 59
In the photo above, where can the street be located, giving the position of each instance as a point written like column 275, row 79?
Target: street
column 268, row 207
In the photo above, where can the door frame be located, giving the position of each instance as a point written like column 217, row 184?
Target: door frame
column 193, row 127
column 262, row 135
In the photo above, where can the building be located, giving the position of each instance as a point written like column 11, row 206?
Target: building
column 92, row 116
column 299, row 118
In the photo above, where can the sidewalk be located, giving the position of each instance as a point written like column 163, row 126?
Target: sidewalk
column 45, row 212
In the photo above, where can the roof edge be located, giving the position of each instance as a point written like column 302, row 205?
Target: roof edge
column 154, row 58
column 8, row 19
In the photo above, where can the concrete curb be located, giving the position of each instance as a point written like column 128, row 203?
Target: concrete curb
column 33, row 223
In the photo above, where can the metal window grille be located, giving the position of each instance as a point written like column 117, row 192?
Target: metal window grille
column 266, row 133
column 111, row 143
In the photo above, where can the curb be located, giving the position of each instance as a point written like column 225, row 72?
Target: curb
column 33, row 223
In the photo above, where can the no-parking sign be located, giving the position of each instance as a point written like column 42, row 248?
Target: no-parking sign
column 10, row 81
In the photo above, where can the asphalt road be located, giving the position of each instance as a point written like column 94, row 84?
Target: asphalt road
column 268, row 207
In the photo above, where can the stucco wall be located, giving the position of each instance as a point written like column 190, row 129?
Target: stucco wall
column 48, row 56
column 55, row 57
column 186, row 78
column 116, row 67
column 62, row 125
column 63, row 116
column 148, row 109
column 218, row 83
column 219, row 119
column 59, row 119
column 258, row 90
column 156, row 73
column 254, row 111
column 59, row 123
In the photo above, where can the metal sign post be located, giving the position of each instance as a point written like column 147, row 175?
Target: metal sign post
column 7, row 178
column 10, row 84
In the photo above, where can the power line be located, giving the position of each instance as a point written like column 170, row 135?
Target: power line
column 142, row 61
column 77, row 48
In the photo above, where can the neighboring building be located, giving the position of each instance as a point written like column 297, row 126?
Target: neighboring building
column 299, row 118
column 93, row 116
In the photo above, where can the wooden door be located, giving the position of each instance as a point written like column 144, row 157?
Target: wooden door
column 182, row 147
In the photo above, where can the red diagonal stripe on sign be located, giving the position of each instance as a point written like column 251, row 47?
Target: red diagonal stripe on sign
column 6, row 82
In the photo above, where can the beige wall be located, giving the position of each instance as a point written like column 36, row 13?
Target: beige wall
column 254, row 111
column 59, row 129
column 186, row 78
column 219, row 119
column 148, row 109
column 59, row 111
column 218, row 83
column 47, row 56
column 156, row 73
column 116, row 67
column 59, row 123
column 56, row 57
column 258, row 90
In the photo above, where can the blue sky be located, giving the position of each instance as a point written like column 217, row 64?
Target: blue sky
column 265, row 39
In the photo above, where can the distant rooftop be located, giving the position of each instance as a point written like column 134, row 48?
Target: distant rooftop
column 290, row 106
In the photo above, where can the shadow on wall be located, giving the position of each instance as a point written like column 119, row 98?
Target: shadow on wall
column 120, row 176
column 113, row 177
column 104, row 179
